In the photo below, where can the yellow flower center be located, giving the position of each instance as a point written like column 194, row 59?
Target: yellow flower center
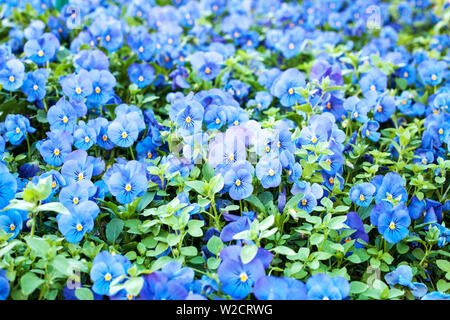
column 331, row 180
column 304, row 202
column 56, row 152
column 291, row 91
column 80, row 176
column 424, row 161
column 149, row 155
column 231, row 157
column 314, row 140
column 124, row 135
column 243, row 277
column 40, row 53
column 141, row 49
column 355, row 114
column 361, row 197
column 291, row 46
column 329, row 161
column 441, row 131
column 236, row 122
column 433, row 77
column 35, row 87
column 158, row 46
column 217, row 120
column 379, row 109
column 249, row 43
column 141, row 78
column 367, row 133
column 267, row 149
column 92, row 43
column 404, row 101
column 238, row 182
column 17, row 130
column 54, row 184
column 108, row 277
column 392, row 225
column 328, row 105
column 139, row 13
column 86, row 139
column 128, row 187
column 79, row 227
column 108, row 38
column 259, row 106
column 65, row 119
column 207, row 70
column 105, row 137
column 271, row 172
column 97, row 90
column 373, row 88
column 11, row 79
column 78, row 90
column 76, row 200
column 405, row 75
column 170, row 41
column 12, row 227
column 188, row 119
column 130, row 296
column 236, row 34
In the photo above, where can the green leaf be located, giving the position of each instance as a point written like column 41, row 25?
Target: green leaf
column 284, row 250
column 214, row 245
column 357, row 287
column 134, row 285
column 266, row 223
column 195, row 227
column 189, row 251
column 30, row 282
column 248, row 253
column 198, row 186
column 337, row 223
column 53, row 206
column 253, row 200
column 216, row 184
column 113, row 229
column 38, row 246
column 444, row 265
column 316, row 238
column 84, row 294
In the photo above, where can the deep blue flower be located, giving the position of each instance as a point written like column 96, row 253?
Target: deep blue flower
column 17, row 127
column 11, row 222
column 142, row 74
column 392, row 222
column 354, row 222
column 84, row 136
column 283, row 288
column 284, row 87
column 384, row 108
column 123, row 132
column 76, row 224
column 42, row 49
column 34, row 85
column 402, row 275
column 323, row 287
column 77, row 86
column 268, row 171
column 12, row 75
column 4, row 285
column 127, row 182
column 238, row 180
column 392, row 187
column 207, row 64
column 362, row 194
column 62, row 116
column 103, row 83
column 370, row 130
column 105, row 269
column 373, row 81
column 432, row 71
column 56, row 147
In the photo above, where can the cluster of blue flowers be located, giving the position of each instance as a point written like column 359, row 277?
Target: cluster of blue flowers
column 302, row 141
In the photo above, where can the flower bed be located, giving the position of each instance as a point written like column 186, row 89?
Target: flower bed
column 224, row 149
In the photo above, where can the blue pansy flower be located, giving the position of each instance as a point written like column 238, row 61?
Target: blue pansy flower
column 373, row 81
column 207, row 64
column 42, row 49
column 268, row 171
column 34, row 85
column 84, row 136
column 76, row 224
column 77, row 86
column 238, row 180
column 4, row 285
column 392, row 222
column 284, row 87
column 323, row 287
column 370, row 130
column 11, row 222
column 142, row 74
column 56, row 147
column 283, row 288
column 17, row 128
column 402, row 275
column 432, row 72
column 12, row 75
column 362, row 194
column 127, row 181
column 105, row 269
